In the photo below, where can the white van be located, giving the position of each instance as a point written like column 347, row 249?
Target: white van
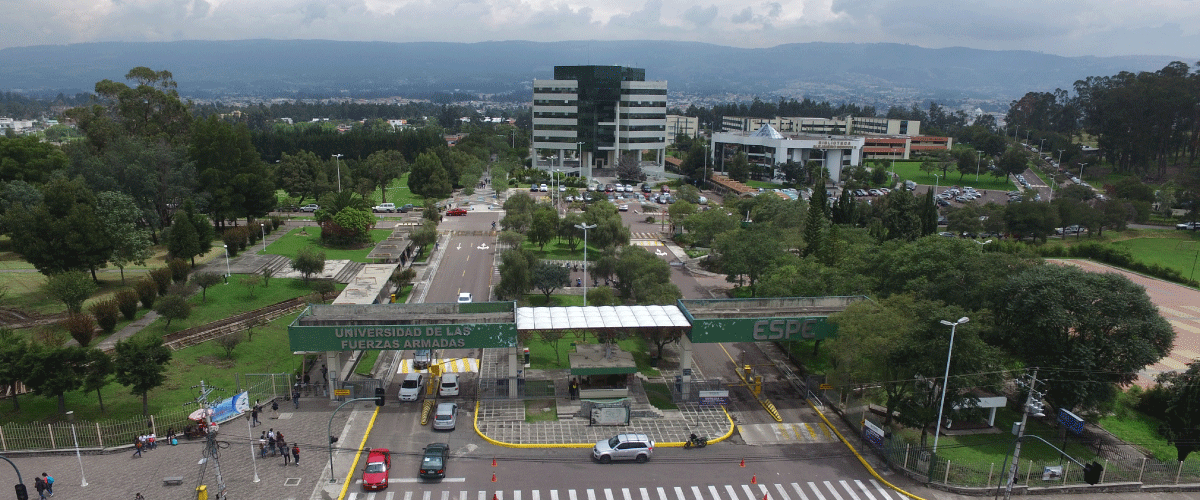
column 449, row 385
column 410, row 388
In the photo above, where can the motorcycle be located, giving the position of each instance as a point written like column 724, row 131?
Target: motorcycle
column 695, row 441
column 578, row 282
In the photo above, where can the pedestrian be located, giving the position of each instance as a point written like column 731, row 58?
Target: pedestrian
column 325, row 371
column 296, row 397
column 137, row 446
column 262, row 445
column 271, row 441
column 139, row 497
column 287, row 457
column 152, row 441
column 574, row 388
column 274, row 409
column 40, row 487
column 254, row 416
column 296, row 453
column 280, row 443
column 49, row 483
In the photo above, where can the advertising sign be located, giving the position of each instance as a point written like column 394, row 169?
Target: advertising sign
column 230, row 408
column 714, row 398
column 387, row 337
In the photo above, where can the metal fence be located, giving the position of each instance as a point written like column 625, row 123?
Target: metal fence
column 112, row 433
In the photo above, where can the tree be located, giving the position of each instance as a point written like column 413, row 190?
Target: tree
column 13, row 362
column 182, row 240
column 938, row 161
column 172, row 306
column 302, row 176
column 1033, row 219
column 568, row 229
column 679, row 212
column 324, row 289
column 251, row 283
column 71, row 288
column 63, row 232
column 515, row 275
column 1013, row 162
column 739, row 168
column 659, row 337
column 602, row 296
column 1181, row 415
column 140, row 363
column 55, row 371
column 230, row 342
column 429, row 178
column 1096, row 330
column 28, row 159
column 610, row 230
column 747, row 252
column 695, row 165
column 97, row 370
column 424, row 236
column 381, row 168
column 518, row 212
column 643, row 278
column 230, row 171
column 548, row 277
column 119, row 214
column 553, row 337
column 818, row 219
column 629, row 168
column 544, row 228
column 309, row 261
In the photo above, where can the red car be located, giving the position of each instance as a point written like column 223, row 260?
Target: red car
column 456, row 211
column 375, row 476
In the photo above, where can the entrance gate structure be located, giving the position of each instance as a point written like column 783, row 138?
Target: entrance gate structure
column 337, row 328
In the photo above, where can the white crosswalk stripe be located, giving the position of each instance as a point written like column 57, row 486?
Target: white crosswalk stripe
column 454, row 365
column 838, row 489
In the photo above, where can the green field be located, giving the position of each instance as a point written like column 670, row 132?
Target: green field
column 290, row 244
column 911, row 171
column 1177, row 250
column 398, row 193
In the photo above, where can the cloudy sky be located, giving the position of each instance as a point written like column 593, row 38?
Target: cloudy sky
column 1064, row 27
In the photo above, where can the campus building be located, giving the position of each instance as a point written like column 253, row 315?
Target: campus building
column 597, row 113
column 841, row 125
column 767, row 146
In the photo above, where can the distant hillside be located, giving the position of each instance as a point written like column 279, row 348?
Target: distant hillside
column 291, row 68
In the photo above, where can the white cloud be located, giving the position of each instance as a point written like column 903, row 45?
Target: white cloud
column 1069, row 27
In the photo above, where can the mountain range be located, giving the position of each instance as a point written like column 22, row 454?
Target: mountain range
column 322, row 68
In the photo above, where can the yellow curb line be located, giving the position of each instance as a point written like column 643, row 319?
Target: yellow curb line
column 860, row 457
column 679, row 444
column 358, row 455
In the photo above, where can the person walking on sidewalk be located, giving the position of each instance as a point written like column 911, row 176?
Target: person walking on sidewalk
column 40, row 487
column 254, row 416
column 287, row 457
column 274, row 409
column 262, row 445
column 296, row 453
column 137, row 446
column 296, row 397
column 271, row 441
column 49, row 483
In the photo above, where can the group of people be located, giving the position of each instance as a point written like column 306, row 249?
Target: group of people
column 145, row 442
column 44, row 484
column 274, row 442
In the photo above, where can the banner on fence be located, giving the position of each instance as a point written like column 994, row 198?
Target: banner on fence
column 229, row 408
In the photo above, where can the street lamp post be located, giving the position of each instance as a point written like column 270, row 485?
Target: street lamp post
column 977, row 159
column 226, row 263
column 937, row 179
column 78, row 456
column 937, row 426
column 1041, row 142
column 1081, row 165
column 585, row 228
column 264, row 236
column 337, row 161
column 253, row 456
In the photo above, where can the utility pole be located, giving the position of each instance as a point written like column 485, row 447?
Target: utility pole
column 1031, row 404
column 211, row 450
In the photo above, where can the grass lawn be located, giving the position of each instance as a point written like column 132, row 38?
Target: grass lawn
column 557, row 249
column 366, row 363
column 539, row 300
column 763, row 184
column 1140, row 430
column 911, row 171
column 290, row 244
column 1173, row 249
column 659, row 396
column 266, row 352
column 541, row 410
column 398, row 193
column 224, row 301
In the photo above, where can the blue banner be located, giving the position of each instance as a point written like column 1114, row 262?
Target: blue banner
column 230, row 408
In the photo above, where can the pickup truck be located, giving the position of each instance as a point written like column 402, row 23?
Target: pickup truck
column 384, row 207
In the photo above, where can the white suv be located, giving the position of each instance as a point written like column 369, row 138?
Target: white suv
column 637, row 447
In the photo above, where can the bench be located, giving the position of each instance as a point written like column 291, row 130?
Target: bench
column 177, row 480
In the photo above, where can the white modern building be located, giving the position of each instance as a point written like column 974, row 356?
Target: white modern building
column 767, row 146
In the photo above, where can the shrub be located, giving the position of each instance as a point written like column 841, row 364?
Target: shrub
column 324, row 288
column 162, row 279
column 276, row 221
column 107, row 312
column 82, row 328
column 240, row 237
column 127, row 302
column 173, row 307
column 230, row 239
column 179, row 270
column 147, row 291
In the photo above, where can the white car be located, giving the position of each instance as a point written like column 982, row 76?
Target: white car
column 449, row 385
column 623, row 208
column 464, row 298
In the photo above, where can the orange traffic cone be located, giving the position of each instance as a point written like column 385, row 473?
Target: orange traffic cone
column 494, row 480
column 754, row 479
column 743, row 463
column 493, row 461
column 765, row 496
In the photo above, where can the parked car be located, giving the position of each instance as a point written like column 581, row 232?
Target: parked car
column 410, row 388
column 433, row 461
column 449, row 385
column 623, row 207
column 384, row 207
column 456, row 211
column 406, row 208
column 637, row 447
column 311, row 207
column 1192, row 226
column 543, row 188
column 445, row 416
column 646, row 188
column 533, row 188
column 375, row 475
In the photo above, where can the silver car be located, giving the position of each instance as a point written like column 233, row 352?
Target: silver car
column 445, row 416
column 637, row 447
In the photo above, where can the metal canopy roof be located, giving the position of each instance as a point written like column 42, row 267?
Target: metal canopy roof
column 572, row 318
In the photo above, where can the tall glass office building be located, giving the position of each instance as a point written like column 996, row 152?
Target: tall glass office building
column 596, row 113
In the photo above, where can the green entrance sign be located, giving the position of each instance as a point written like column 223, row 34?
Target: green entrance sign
column 761, row 329
column 387, row 337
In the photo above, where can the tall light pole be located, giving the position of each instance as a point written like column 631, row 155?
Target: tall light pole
column 977, row 158
column 264, row 236
column 937, row 179
column 78, row 456
column 253, row 455
column 585, row 228
column 226, row 263
column 937, row 426
column 1081, row 165
column 337, row 161
column 1041, row 142
column 707, row 147
column 579, row 156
